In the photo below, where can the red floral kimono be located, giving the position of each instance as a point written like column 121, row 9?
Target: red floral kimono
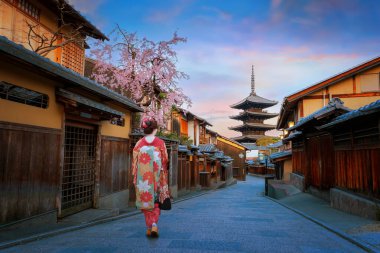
column 149, row 168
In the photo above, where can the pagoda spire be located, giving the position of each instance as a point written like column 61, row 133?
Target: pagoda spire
column 253, row 82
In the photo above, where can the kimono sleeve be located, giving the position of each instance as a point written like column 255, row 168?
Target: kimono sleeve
column 164, row 156
column 134, row 164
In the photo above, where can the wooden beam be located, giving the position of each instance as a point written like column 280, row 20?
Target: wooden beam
column 346, row 95
column 335, row 79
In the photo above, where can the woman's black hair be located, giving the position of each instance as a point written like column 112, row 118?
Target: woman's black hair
column 151, row 124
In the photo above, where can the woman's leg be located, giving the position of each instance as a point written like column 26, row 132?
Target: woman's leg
column 152, row 216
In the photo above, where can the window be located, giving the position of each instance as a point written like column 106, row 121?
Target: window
column 22, row 95
column 118, row 121
column 370, row 82
column 29, row 9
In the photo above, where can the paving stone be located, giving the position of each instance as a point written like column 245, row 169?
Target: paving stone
column 233, row 219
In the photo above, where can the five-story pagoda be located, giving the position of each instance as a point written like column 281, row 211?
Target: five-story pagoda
column 253, row 116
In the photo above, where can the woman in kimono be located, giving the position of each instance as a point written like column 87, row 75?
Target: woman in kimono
column 150, row 160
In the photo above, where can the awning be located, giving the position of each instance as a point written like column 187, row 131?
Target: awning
column 88, row 102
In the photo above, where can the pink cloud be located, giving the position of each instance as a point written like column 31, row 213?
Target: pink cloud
column 279, row 71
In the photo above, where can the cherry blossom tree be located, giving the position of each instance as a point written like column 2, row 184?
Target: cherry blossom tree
column 142, row 70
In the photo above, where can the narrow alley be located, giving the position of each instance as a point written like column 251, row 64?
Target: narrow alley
column 233, row 219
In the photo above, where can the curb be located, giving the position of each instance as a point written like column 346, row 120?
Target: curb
column 363, row 245
column 78, row 227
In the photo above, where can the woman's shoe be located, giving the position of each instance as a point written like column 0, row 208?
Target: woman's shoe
column 154, row 231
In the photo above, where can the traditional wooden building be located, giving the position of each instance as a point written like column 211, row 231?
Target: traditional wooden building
column 64, row 138
column 356, row 160
column 253, row 116
column 64, row 143
column 237, row 152
column 336, row 155
column 46, row 24
column 356, row 87
column 312, row 149
column 211, row 136
column 185, row 123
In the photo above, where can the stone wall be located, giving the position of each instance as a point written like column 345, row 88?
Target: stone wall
column 354, row 204
column 298, row 181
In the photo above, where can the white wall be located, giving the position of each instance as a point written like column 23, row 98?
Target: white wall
column 190, row 130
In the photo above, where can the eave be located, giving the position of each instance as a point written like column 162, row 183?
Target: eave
column 67, row 78
column 290, row 101
column 252, row 126
column 71, row 15
column 263, row 115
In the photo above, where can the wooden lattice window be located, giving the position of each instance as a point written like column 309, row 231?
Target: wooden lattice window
column 22, row 95
column 28, row 8
column 73, row 57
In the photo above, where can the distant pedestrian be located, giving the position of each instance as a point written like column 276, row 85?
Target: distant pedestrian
column 149, row 169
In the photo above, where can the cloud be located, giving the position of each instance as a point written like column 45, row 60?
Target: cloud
column 221, row 14
column 162, row 15
column 279, row 71
column 86, row 6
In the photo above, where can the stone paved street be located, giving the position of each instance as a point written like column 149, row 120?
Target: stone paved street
column 233, row 219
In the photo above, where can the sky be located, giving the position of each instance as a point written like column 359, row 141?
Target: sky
column 291, row 43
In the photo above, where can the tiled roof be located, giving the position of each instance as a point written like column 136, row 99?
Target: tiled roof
column 88, row 102
column 252, row 146
column 211, row 131
column 195, row 116
column 70, row 14
column 276, row 144
column 182, row 148
column 253, row 125
column 292, row 136
column 58, row 71
column 247, row 138
column 290, row 102
column 280, row 154
column 208, row 148
column 362, row 111
column 232, row 140
column 256, row 114
column 334, row 105
column 254, row 99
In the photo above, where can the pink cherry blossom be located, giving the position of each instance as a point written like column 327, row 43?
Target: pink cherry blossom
column 142, row 70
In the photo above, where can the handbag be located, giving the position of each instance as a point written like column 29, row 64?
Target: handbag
column 164, row 201
column 166, row 205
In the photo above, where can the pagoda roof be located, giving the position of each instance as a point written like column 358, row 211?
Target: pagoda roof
column 246, row 114
column 253, row 126
column 254, row 101
column 248, row 138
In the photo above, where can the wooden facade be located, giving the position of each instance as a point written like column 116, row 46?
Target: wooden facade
column 114, row 165
column 184, row 172
column 344, row 156
column 29, row 178
column 233, row 149
column 356, row 87
column 357, row 154
column 61, row 149
column 16, row 15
